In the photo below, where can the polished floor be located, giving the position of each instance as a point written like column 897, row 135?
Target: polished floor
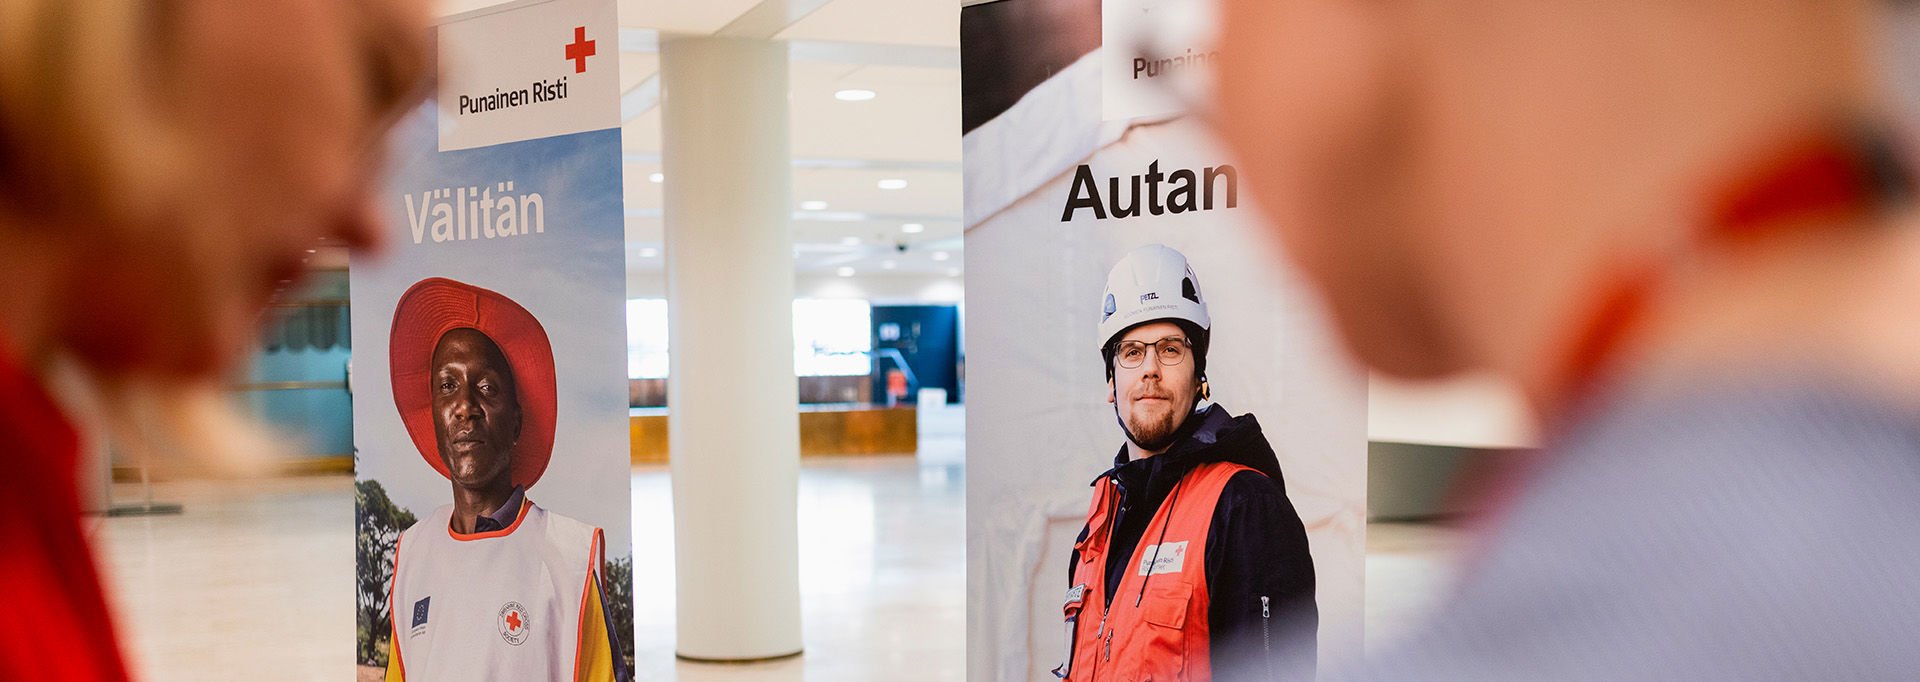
column 255, row 582
column 882, row 577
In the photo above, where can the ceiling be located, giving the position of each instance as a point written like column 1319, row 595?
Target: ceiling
column 905, row 51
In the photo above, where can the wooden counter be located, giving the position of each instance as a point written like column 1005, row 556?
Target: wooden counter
column 825, row 430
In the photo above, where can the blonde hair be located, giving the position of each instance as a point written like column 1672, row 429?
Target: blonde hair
column 90, row 141
column 79, row 134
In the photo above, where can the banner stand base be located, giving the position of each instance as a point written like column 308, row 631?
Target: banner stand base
column 149, row 509
column 146, row 508
column 737, row 661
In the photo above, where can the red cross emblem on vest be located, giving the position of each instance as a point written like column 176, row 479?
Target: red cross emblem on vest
column 513, row 623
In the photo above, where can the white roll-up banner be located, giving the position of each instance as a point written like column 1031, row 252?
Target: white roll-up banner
column 492, row 470
column 1082, row 160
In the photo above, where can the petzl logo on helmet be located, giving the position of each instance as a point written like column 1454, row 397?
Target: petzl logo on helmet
column 513, row 623
column 1152, row 283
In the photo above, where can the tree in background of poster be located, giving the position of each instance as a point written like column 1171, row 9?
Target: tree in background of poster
column 490, row 420
column 377, row 526
column 1079, row 158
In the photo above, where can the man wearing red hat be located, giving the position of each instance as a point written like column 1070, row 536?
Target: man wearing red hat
column 491, row 586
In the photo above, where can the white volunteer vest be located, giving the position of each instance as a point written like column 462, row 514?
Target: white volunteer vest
column 503, row 605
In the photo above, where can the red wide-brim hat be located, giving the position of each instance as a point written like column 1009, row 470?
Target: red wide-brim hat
column 436, row 305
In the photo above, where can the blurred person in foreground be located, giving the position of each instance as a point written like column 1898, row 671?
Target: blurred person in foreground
column 1683, row 229
column 164, row 169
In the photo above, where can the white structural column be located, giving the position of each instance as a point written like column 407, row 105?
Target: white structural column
column 733, row 420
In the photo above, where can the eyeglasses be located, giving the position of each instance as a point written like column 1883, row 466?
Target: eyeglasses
column 1171, row 351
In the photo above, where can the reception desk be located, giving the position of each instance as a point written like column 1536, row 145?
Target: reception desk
column 825, row 430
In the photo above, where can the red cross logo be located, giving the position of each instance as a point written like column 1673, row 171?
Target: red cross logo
column 513, row 623
column 580, row 49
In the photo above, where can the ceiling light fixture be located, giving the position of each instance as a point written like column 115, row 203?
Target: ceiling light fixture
column 941, row 255
column 814, row 205
column 845, row 271
column 893, row 183
column 850, row 241
column 656, row 178
column 913, row 228
column 854, row 95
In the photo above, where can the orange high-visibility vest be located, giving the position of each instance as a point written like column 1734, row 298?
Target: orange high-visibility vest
column 1159, row 633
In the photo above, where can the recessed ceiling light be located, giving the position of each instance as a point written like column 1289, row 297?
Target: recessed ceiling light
column 850, row 241
column 854, row 95
column 313, row 250
column 893, row 183
column 656, row 178
column 913, row 228
column 845, row 271
column 649, row 252
column 813, row 205
column 888, row 265
column 941, row 255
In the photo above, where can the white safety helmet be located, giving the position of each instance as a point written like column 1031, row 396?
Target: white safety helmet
column 1152, row 283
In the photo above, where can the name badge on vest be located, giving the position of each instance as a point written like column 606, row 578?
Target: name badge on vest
column 1166, row 558
column 1076, row 599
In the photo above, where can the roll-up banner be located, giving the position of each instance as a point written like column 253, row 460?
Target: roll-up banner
column 492, row 473
column 1166, row 450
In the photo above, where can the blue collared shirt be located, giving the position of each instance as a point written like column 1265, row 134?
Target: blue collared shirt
column 504, row 516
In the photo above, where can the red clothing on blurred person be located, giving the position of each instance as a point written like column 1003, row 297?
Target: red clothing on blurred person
column 54, row 623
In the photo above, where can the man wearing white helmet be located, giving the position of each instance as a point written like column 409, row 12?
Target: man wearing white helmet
column 1193, row 564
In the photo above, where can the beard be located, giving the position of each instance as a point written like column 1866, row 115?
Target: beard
column 1154, row 432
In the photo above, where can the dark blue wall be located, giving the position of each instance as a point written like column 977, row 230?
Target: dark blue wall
column 929, row 339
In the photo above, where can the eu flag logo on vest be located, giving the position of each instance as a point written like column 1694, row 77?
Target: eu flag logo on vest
column 420, row 612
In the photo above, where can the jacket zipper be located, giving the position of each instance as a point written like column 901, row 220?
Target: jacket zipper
column 1266, row 634
column 1113, row 522
column 1103, row 634
column 1113, row 529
